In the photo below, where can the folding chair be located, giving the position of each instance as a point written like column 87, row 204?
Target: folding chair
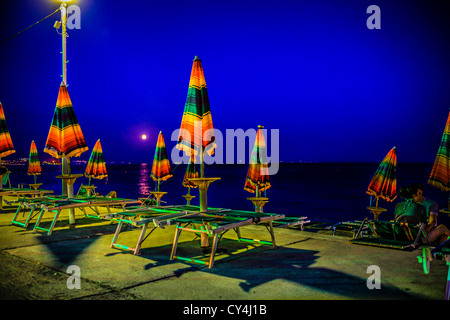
column 390, row 234
column 217, row 224
column 34, row 206
column 56, row 206
column 143, row 218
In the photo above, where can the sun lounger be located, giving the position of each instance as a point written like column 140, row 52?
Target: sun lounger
column 351, row 226
column 289, row 222
column 144, row 217
column 217, row 224
column 33, row 205
column 390, row 234
column 21, row 193
column 57, row 205
column 286, row 222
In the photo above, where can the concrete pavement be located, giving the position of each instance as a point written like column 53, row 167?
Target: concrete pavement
column 307, row 265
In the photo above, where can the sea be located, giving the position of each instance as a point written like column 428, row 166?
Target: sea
column 323, row 192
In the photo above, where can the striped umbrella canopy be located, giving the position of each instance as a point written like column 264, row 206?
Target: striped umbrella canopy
column 161, row 166
column 6, row 145
column 258, row 171
column 96, row 167
column 34, row 165
column 384, row 182
column 196, row 130
column 65, row 138
column 191, row 172
column 440, row 173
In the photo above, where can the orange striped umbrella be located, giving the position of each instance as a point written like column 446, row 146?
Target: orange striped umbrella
column 384, row 182
column 6, row 145
column 196, row 130
column 440, row 173
column 258, row 171
column 161, row 166
column 65, row 138
column 34, row 165
column 96, row 167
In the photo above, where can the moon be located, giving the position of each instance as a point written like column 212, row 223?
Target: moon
column 144, row 137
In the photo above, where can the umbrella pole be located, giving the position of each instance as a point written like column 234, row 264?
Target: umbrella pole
column 158, row 199
column 203, row 200
column 257, row 209
column 68, row 187
column 64, row 170
column 202, row 193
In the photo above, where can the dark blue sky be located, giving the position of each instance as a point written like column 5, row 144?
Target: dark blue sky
column 337, row 91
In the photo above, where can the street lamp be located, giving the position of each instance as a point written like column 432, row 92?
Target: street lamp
column 65, row 164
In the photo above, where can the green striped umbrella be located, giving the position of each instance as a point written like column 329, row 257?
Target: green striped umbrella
column 96, row 167
column 440, row 173
column 384, row 182
column 257, row 179
column 65, row 138
column 34, row 165
column 161, row 166
column 6, row 145
column 196, row 130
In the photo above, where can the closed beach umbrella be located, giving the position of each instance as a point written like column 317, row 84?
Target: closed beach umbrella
column 96, row 167
column 257, row 179
column 384, row 182
column 6, row 145
column 196, row 130
column 34, row 165
column 191, row 172
column 161, row 166
column 65, row 138
column 440, row 173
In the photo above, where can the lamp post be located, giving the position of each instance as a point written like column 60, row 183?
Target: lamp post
column 65, row 162
column 67, row 178
column 63, row 8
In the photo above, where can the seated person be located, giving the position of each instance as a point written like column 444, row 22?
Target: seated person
column 435, row 233
column 409, row 211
